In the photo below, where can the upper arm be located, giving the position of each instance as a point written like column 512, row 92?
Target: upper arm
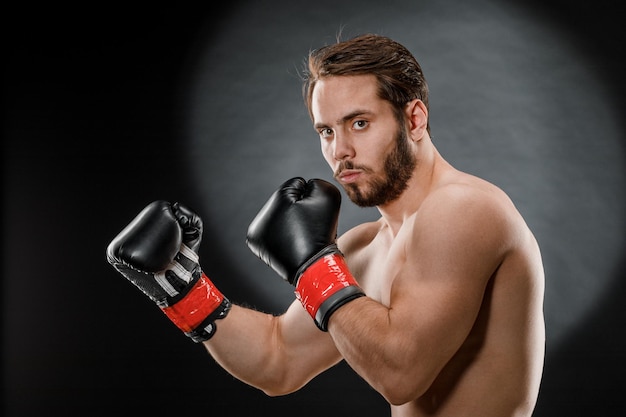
column 456, row 243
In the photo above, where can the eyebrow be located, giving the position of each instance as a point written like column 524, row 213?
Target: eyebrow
column 344, row 119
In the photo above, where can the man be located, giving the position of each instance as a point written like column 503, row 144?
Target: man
column 438, row 304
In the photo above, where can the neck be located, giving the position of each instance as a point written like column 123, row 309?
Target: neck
column 427, row 171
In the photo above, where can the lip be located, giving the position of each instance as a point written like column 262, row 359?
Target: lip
column 349, row 176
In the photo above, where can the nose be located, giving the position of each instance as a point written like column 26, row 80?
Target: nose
column 342, row 147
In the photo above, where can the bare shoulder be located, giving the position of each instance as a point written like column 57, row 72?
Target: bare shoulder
column 471, row 196
column 470, row 206
column 468, row 189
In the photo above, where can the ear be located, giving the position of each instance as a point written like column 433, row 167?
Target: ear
column 417, row 115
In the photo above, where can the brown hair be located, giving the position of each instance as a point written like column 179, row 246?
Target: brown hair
column 399, row 75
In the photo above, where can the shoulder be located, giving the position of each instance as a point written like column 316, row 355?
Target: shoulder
column 469, row 197
column 467, row 211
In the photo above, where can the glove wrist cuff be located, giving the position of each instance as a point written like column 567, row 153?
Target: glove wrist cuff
column 196, row 312
column 325, row 285
column 327, row 250
column 208, row 327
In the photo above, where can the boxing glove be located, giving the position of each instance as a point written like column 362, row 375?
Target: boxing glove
column 158, row 253
column 295, row 234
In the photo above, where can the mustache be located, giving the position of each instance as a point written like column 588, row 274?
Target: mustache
column 350, row 165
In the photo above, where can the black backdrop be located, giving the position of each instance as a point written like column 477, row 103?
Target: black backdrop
column 91, row 132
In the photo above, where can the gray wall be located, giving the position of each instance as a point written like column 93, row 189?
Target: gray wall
column 109, row 110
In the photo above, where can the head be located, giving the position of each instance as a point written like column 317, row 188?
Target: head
column 399, row 75
column 394, row 77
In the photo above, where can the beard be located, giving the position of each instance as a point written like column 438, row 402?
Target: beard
column 380, row 190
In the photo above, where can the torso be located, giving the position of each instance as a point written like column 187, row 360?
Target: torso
column 496, row 371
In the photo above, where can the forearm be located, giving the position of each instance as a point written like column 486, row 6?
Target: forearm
column 277, row 354
column 245, row 346
column 359, row 330
column 366, row 336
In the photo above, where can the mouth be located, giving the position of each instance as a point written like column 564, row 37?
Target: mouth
column 348, row 176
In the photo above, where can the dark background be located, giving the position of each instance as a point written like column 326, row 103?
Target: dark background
column 96, row 123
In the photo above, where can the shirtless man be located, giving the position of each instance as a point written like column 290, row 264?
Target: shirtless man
column 438, row 304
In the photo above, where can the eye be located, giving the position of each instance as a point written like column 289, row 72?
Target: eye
column 326, row 132
column 359, row 124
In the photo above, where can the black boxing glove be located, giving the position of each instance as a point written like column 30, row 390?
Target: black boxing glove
column 295, row 234
column 158, row 253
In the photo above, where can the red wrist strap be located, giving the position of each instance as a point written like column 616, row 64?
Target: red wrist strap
column 321, row 280
column 202, row 300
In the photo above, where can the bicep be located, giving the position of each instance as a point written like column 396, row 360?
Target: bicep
column 449, row 257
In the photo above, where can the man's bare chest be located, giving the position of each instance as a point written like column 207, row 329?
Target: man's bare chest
column 376, row 266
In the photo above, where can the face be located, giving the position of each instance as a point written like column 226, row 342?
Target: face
column 362, row 140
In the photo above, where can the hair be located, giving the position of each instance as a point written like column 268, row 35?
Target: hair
column 400, row 77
